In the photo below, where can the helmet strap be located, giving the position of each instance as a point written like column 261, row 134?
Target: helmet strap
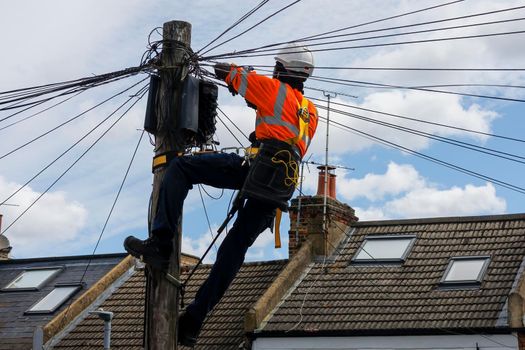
column 295, row 80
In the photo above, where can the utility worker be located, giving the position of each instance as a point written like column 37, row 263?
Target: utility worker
column 285, row 123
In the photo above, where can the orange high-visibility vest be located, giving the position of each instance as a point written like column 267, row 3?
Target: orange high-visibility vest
column 283, row 113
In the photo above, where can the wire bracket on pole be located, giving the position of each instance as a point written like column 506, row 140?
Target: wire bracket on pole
column 176, row 282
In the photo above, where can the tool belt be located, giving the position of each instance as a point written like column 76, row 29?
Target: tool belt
column 273, row 174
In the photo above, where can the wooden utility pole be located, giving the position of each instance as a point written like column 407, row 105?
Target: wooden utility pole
column 162, row 296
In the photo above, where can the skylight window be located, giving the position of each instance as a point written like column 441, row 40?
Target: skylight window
column 54, row 299
column 466, row 270
column 381, row 249
column 32, row 279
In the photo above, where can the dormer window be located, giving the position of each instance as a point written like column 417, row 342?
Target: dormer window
column 465, row 271
column 384, row 249
column 32, row 279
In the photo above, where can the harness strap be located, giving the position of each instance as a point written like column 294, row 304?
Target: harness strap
column 304, row 119
column 277, row 230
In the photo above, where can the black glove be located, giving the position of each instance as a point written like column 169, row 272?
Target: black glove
column 251, row 105
column 232, row 90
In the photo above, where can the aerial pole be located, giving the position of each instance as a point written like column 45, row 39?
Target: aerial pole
column 325, row 226
column 162, row 292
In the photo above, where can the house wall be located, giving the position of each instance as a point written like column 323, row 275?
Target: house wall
column 434, row 342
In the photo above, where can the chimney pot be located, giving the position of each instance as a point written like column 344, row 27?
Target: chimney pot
column 331, row 181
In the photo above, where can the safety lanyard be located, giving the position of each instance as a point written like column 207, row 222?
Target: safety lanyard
column 304, row 119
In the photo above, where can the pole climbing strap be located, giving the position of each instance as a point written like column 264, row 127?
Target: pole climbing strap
column 163, row 159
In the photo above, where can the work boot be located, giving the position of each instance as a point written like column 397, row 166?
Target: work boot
column 152, row 251
column 188, row 330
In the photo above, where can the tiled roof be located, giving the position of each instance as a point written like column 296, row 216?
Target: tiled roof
column 16, row 328
column 223, row 328
column 340, row 297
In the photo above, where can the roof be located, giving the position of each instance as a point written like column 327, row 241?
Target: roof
column 338, row 297
column 223, row 328
column 16, row 328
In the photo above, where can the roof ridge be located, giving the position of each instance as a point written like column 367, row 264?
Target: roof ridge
column 444, row 219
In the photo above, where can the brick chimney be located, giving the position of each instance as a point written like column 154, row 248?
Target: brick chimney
column 5, row 247
column 306, row 218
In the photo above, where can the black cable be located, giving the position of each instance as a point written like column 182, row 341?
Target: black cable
column 234, row 55
column 382, row 19
column 252, row 27
column 334, row 92
column 360, row 25
column 113, row 206
column 72, row 165
column 22, row 101
column 435, row 160
column 199, row 186
column 422, row 23
column 479, row 24
column 39, row 112
column 41, row 102
column 462, row 144
column 372, row 85
column 422, row 121
column 234, row 124
column 70, row 120
column 402, row 68
column 80, row 81
column 212, row 197
column 236, row 23
column 492, row 85
column 72, row 146
column 227, row 128
column 80, row 84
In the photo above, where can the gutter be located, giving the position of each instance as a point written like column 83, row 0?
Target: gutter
column 382, row 332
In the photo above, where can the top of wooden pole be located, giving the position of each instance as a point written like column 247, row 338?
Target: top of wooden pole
column 177, row 30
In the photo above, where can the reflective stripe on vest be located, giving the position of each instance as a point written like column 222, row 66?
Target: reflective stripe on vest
column 271, row 120
column 279, row 101
column 277, row 117
column 244, row 80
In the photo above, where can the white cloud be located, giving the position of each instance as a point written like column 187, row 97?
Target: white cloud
column 197, row 246
column 370, row 213
column 456, row 201
column 396, row 180
column 413, row 196
column 58, row 220
column 444, row 109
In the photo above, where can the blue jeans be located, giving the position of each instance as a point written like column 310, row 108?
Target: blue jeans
column 222, row 171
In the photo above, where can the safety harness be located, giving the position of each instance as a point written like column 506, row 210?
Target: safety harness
column 274, row 173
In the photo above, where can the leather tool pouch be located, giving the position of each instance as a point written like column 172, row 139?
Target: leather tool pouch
column 273, row 174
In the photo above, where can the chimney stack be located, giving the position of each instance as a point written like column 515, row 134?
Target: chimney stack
column 306, row 218
column 5, row 247
column 330, row 186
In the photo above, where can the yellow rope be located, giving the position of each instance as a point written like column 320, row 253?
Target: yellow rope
column 291, row 166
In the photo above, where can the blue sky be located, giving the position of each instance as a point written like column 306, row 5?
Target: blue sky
column 61, row 40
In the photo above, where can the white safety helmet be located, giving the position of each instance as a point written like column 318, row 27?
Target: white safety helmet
column 296, row 58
